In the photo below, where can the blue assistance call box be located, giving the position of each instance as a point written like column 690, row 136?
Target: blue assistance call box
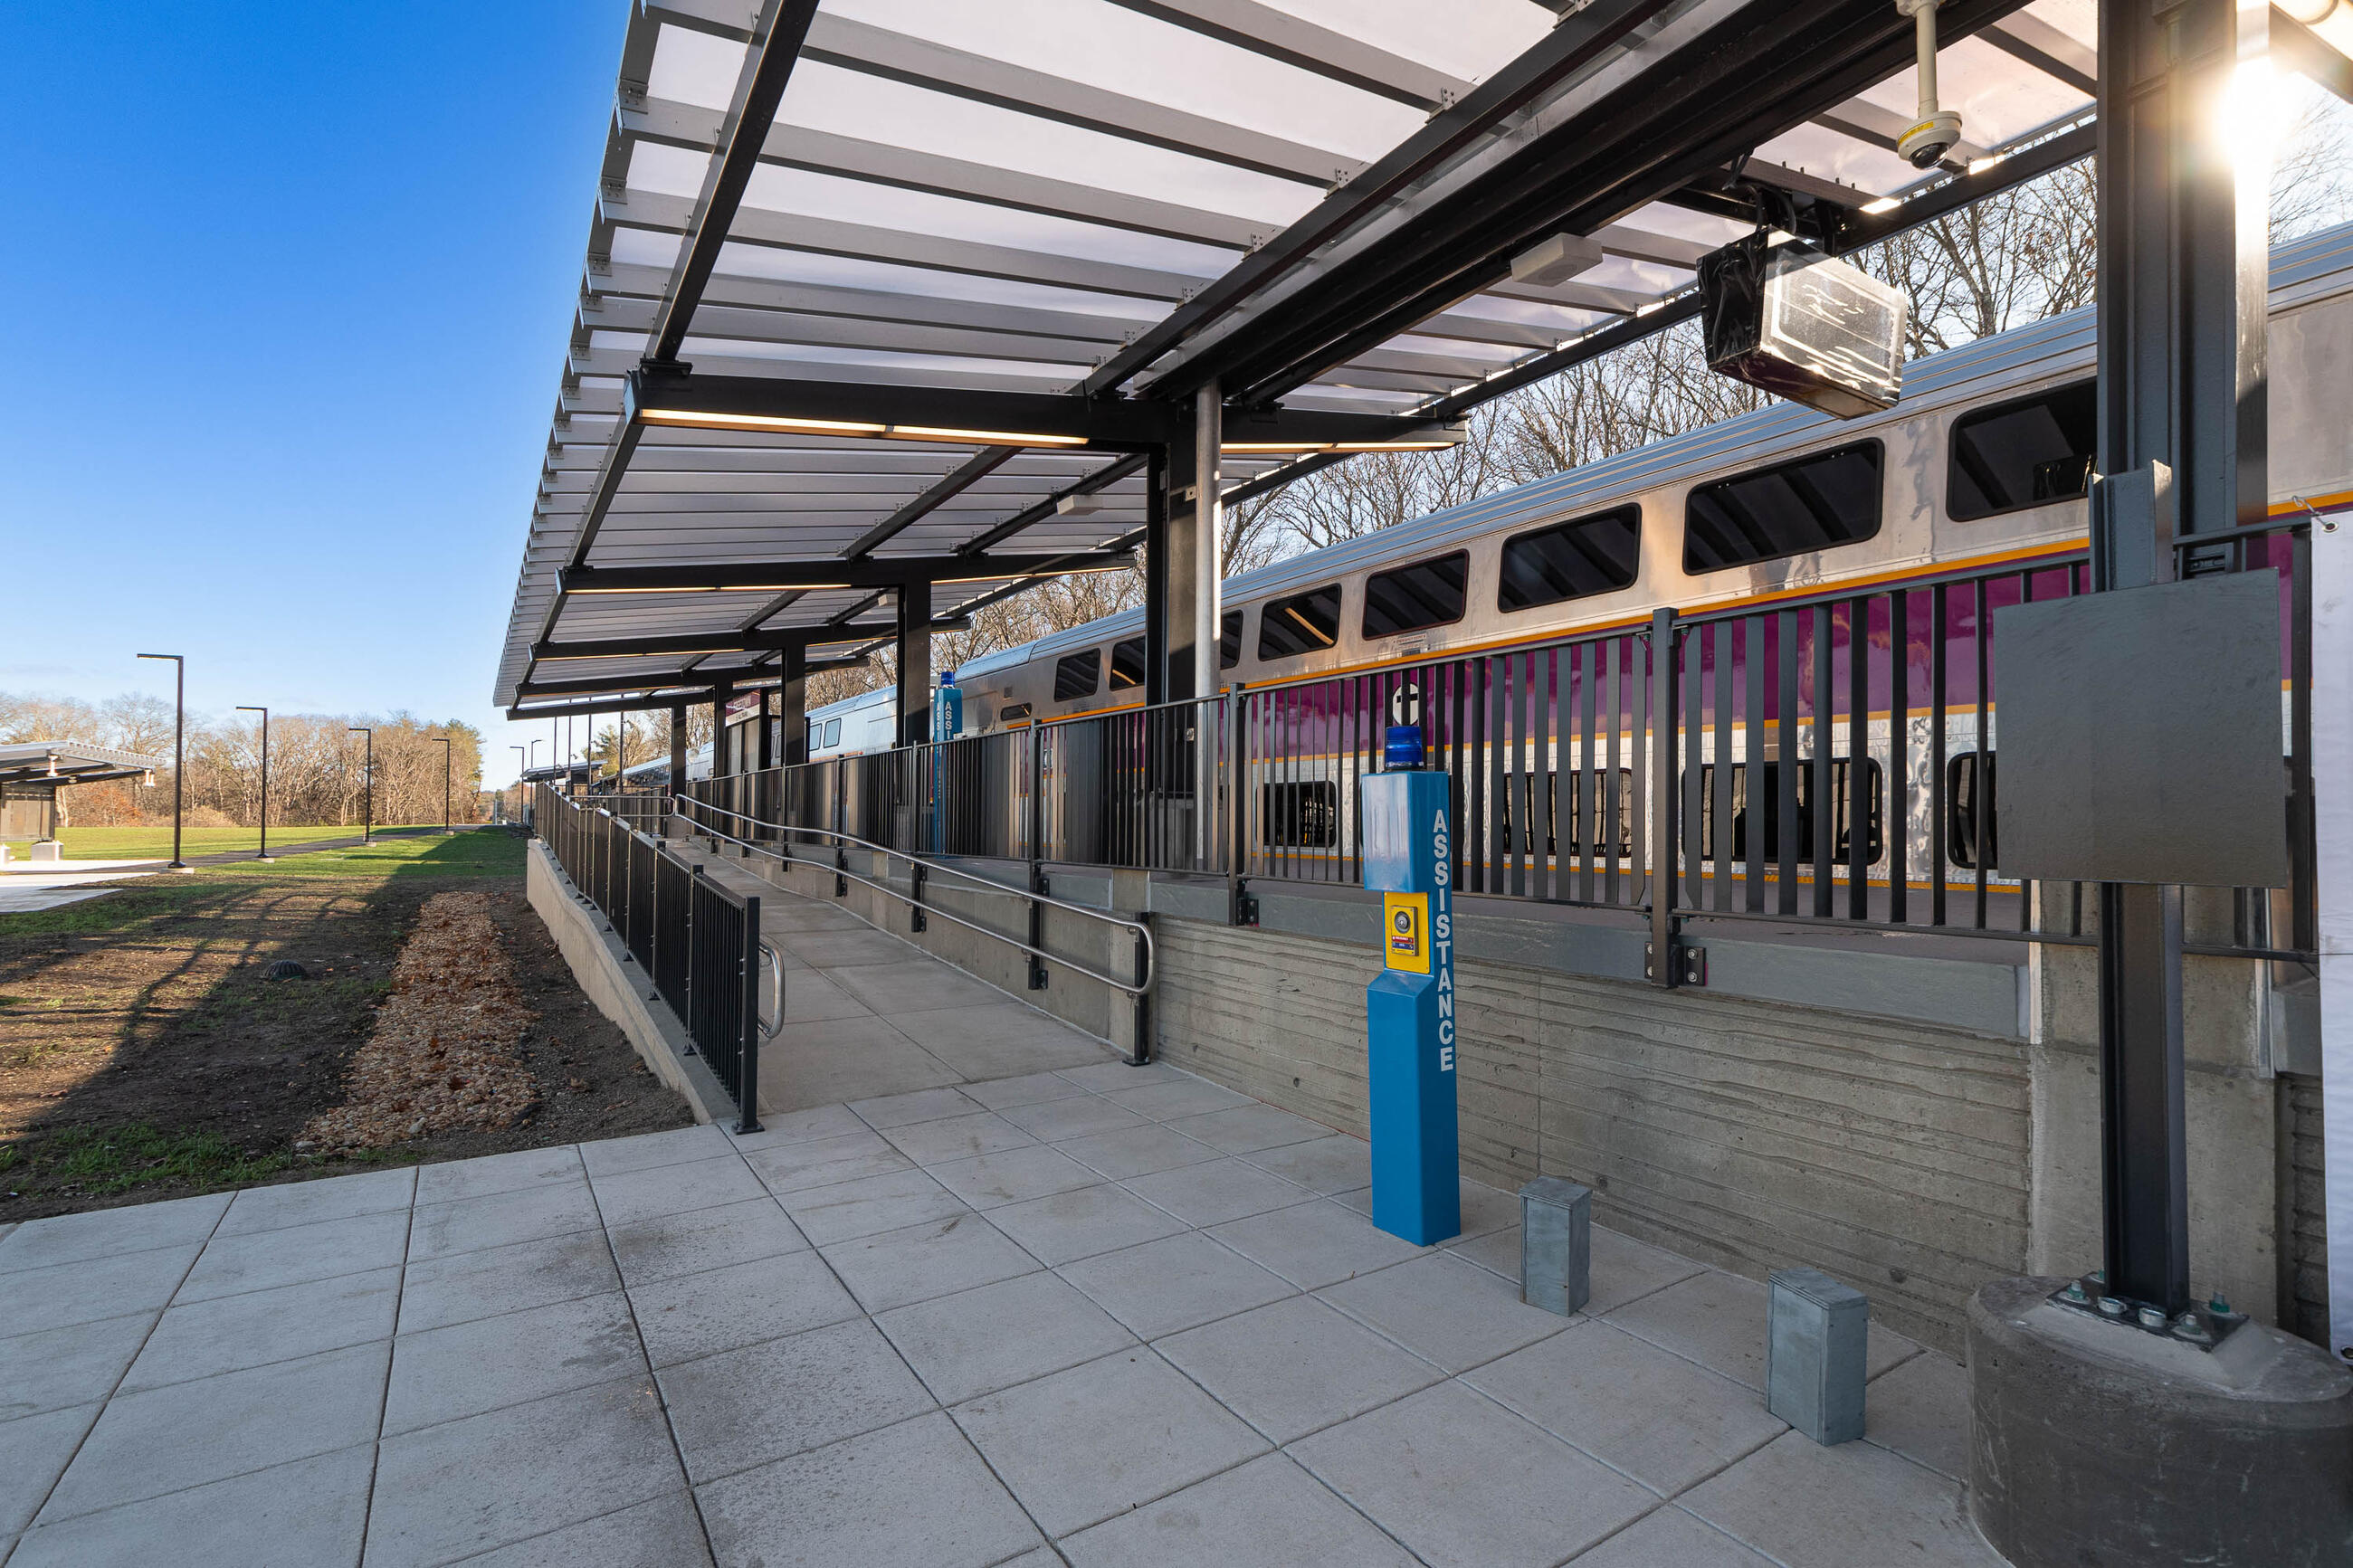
column 947, row 723
column 1409, row 1010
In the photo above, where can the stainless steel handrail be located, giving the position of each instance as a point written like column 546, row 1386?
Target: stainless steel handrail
column 769, row 1031
column 1143, row 932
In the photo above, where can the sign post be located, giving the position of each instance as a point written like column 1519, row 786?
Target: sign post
column 1409, row 1014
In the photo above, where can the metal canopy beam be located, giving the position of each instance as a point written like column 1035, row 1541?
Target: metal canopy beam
column 877, row 572
column 693, row 643
column 978, row 467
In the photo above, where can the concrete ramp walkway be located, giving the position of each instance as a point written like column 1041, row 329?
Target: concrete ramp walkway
column 867, row 1014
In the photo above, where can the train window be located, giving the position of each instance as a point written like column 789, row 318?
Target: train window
column 1842, row 812
column 1077, row 675
column 1570, row 559
column 833, row 731
column 1230, row 639
column 1303, row 623
column 1961, row 810
column 1572, row 797
column 1814, row 503
column 2021, row 454
column 1127, row 664
column 1013, row 713
column 1426, row 593
column 1299, row 816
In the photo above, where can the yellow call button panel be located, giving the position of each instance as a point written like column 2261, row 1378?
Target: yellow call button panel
column 1405, row 931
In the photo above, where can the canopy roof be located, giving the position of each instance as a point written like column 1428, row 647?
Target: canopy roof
column 1050, row 221
column 57, row 763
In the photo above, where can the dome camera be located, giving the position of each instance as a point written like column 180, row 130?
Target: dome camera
column 1926, row 142
column 1935, row 131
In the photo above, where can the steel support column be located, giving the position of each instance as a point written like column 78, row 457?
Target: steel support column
column 2181, row 336
column 792, row 706
column 1155, row 577
column 764, row 748
column 914, row 652
column 721, row 695
column 677, row 748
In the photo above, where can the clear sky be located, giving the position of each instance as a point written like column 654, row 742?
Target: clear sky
column 289, row 288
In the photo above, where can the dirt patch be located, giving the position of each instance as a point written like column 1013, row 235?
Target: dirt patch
column 145, row 1055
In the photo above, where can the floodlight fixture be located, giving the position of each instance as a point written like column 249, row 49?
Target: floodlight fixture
column 1555, row 260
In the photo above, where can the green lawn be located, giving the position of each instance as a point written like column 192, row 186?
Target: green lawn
column 155, row 843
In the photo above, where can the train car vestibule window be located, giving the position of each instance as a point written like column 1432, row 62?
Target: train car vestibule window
column 1127, row 664
column 1230, row 639
column 1426, row 593
column 1816, row 502
column 1571, row 560
column 2027, row 453
column 833, row 731
column 1077, row 675
column 1303, row 623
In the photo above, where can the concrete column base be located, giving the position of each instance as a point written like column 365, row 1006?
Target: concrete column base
column 2095, row 1444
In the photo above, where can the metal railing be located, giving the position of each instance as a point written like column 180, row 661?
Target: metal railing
column 1830, row 760
column 725, row 824
column 698, row 945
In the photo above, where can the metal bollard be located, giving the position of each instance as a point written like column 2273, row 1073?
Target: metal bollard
column 1815, row 1335
column 1556, row 1245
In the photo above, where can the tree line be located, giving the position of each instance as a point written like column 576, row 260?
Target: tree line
column 318, row 768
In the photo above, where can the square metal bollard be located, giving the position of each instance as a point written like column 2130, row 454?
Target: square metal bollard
column 1556, row 1245
column 1814, row 1340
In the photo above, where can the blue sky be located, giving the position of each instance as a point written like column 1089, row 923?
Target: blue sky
column 289, row 289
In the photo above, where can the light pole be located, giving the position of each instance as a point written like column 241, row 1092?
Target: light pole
column 179, row 747
column 242, row 708
column 523, row 761
column 449, row 753
column 368, row 822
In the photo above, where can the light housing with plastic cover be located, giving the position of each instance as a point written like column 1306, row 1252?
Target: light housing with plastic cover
column 1791, row 320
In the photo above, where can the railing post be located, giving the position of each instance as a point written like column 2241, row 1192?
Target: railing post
column 915, row 920
column 747, row 1074
column 1140, row 1051
column 693, row 888
column 1037, row 851
column 1664, row 714
column 1241, row 908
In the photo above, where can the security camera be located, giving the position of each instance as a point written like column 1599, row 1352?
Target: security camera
column 1935, row 131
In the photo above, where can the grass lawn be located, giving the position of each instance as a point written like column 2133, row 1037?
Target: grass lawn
column 155, row 843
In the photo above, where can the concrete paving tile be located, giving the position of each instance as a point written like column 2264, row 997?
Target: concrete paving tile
column 1336, row 1163
column 454, row 1179
column 34, row 1299
column 1313, row 1245
column 1921, row 1409
column 663, row 1534
column 263, row 1259
column 228, row 1333
column 918, row 984
column 924, row 1105
column 1484, row 1209
column 1294, row 1366
column 443, row 1374
column 747, row 1408
column 1445, row 1310
column 576, row 1456
column 812, row 1065
column 1498, row 1252
column 665, row 1190
column 1718, row 1320
column 1176, row 1283
column 308, row 1203
column 870, row 1206
column 111, row 1233
column 34, row 1452
column 797, row 1127
column 1623, row 1270
column 1215, row 1190
column 1000, row 1038
column 992, row 1181
column 296, row 1515
column 1026, row 1089
column 1082, row 1445
column 841, row 948
column 982, row 1340
column 913, row 1493
column 742, row 1304
column 679, row 1244
column 1656, row 1416
column 501, row 1219
column 54, row 1368
column 493, row 1279
column 1466, row 1484
column 1268, row 1514
column 956, row 1138
column 1247, row 1129
column 898, row 1266
column 1106, row 1077
column 608, row 1157
column 782, row 913
column 1799, row 1502
column 250, row 1420
column 822, row 1162
column 1167, row 1101
column 1671, row 1539
column 1137, row 1151
column 1064, row 1226
column 1054, row 1120
column 811, row 998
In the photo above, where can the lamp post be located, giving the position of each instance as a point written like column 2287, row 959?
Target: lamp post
column 523, row 761
column 179, row 748
column 242, row 708
column 448, row 753
column 368, row 822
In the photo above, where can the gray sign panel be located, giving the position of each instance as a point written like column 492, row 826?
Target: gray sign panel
column 2139, row 737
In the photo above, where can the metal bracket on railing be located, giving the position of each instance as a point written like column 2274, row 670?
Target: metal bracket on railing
column 1687, row 965
column 1244, row 909
column 1040, row 885
column 915, row 919
column 841, row 871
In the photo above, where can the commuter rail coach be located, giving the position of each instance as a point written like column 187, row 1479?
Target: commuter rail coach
column 1830, row 585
